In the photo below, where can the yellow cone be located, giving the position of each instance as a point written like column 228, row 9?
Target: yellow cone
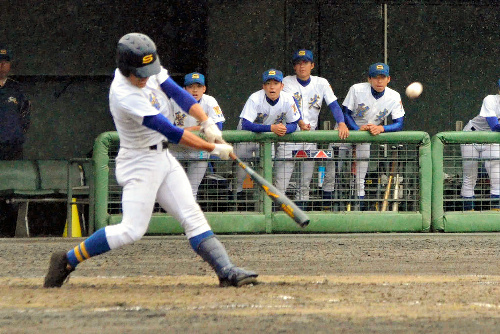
column 76, row 230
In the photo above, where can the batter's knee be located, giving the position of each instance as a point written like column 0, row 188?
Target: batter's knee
column 122, row 234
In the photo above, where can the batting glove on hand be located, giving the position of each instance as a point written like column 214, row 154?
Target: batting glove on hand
column 222, row 151
column 211, row 131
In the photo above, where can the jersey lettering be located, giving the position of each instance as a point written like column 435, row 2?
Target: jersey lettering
column 381, row 115
column 260, row 118
column 361, row 110
column 179, row 119
column 280, row 118
column 314, row 102
column 298, row 99
column 154, row 101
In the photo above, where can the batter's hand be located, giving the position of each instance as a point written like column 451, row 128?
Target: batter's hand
column 343, row 131
column 211, row 131
column 279, row 129
column 222, row 151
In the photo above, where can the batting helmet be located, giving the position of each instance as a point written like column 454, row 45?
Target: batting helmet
column 136, row 54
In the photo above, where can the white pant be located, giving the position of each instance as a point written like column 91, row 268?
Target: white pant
column 361, row 159
column 474, row 152
column 148, row 176
column 284, row 168
column 196, row 165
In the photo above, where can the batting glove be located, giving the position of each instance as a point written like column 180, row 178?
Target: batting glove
column 222, row 151
column 211, row 131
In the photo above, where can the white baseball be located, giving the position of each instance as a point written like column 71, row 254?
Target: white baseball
column 414, row 90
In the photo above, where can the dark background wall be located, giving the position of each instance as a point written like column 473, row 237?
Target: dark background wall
column 64, row 55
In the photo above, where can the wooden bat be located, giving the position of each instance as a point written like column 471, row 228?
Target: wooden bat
column 396, row 193
column 385, row 203
column 287, row 205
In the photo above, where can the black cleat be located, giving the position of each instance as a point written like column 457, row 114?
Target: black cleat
column 59, row 270
column 238, row 277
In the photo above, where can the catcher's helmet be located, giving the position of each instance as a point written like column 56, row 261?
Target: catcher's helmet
column 136, row 54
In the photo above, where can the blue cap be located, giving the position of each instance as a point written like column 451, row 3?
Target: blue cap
column 303, row 54
column 194, row 77
column 5, row 54
column 378, row 69
column 272, row 74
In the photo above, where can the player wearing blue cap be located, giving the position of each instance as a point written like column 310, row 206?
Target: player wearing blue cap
column 268, row 110
column 194, row 84
column 365, row 107
column 309, row 92
column 487, row 120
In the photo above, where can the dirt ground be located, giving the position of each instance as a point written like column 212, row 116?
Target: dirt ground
column 342, row 283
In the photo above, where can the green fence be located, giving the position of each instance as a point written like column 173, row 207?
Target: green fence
column 264, row 219
column 447, row 215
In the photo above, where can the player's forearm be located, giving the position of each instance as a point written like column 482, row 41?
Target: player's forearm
column 161, row 124
column 337, row 113
column 191, row 140
column 197, row 112
column 179, row 95
column 250, row 126
column 349, row 121
column 397, row 125
column 493, row 123
column 291, row 127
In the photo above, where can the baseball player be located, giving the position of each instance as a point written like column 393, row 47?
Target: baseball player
column 309, row 92
column 139, row 103
column 268, row 110
column 194, row 84
column 365, row 107
column 487, row 120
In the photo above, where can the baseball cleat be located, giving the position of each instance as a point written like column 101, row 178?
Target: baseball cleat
column 59, row 270
column 238, row 277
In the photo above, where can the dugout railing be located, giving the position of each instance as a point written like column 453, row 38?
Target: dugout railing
column 450, row 213
column 227, row 213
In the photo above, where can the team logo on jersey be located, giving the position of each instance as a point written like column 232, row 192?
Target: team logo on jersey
column 280, row 118
column 179, row 119
column 298, row 99
column 217, row 110
column 361, row 110
column 381, row 115
column 154, row 101
column 260, row 118
column 147, row 59
column 314, row 102
column 12, row 99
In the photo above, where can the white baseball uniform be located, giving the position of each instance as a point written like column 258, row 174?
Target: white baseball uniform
column 258, row 110
column 490, row 152
column 196, row 161
column 310, row 99
column 366, row 109
column 147, row 174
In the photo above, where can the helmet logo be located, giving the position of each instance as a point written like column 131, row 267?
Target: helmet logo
column 147, row 59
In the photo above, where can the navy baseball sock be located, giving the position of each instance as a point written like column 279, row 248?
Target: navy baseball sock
column 94, row 245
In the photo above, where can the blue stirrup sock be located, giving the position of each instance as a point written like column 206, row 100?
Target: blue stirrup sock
column 197, row 239
column 94, row 245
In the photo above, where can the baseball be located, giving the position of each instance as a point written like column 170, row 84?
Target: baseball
column 414, row 90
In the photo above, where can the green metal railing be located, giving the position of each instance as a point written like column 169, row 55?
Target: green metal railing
column 267, row 221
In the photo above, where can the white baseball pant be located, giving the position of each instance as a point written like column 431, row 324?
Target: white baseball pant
column 471, row 153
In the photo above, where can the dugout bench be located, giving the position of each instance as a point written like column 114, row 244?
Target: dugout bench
column 46, row 181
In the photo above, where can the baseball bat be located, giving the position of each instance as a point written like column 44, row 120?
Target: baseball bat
column 385, row 203
column 273, row 193
column 396, row 193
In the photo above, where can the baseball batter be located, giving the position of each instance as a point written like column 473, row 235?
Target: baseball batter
column 487, row 120
column 139, row 103
column 196, row 161
column 365, row 107
column 309, row 92
column 268, row 110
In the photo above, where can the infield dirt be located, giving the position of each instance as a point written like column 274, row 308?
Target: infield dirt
column 355, row 283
